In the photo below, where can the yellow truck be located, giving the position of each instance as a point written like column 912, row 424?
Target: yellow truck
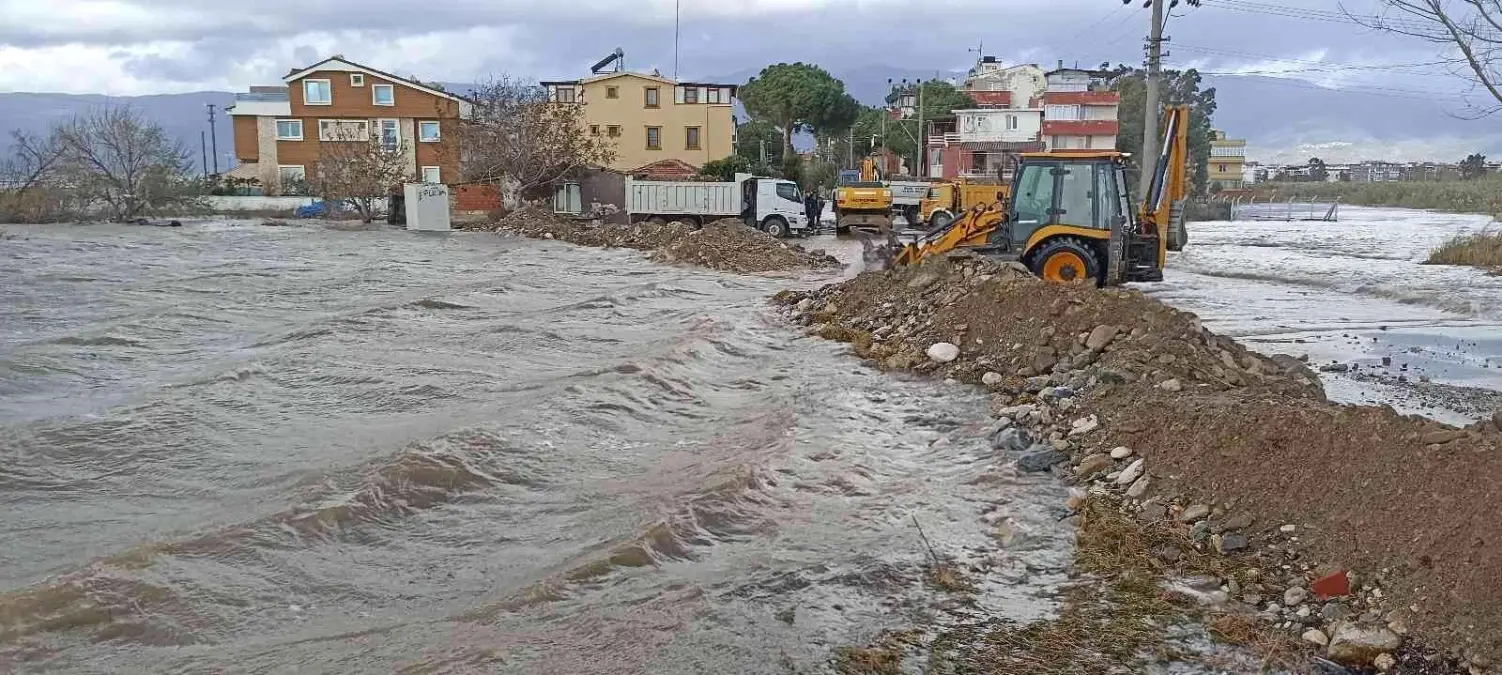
column 862, row 200
column 948, row 199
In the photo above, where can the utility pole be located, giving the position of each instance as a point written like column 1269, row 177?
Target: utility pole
column 763, row 152
column 1149, row 160
column 851, row 158
column 922, row 137
column 213, row 139
column 677, row 7
column 203, row 149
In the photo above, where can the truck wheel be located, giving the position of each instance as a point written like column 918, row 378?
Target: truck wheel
column 658, row 221
column 939, row 220
column 1066, row 260
column 775, row 226
column 911, row 215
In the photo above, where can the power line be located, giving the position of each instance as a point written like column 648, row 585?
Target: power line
column 1374, row 90
column 1365, row 20
column 1314, row 65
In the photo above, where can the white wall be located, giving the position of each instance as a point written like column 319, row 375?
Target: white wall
column 238, row 203
column 991, row 124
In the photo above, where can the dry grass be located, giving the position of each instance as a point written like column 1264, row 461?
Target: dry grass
column 1273, row 647
column 946, row 577
column 1482, row 249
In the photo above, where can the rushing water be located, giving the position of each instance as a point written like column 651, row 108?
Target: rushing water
column 229, row 448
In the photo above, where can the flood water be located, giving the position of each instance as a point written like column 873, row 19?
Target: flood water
column 229, row 448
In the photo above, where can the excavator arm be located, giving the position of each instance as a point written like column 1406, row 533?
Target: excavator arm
column 1170, row 183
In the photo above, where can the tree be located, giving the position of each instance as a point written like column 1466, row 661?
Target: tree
column 114, row 157
column 1318, row 172
column 1217, row 187
column 725, row 169
column 1471, row 27
column 799, row 97
column 524, row 143
column 752, row 136
column 26, row 175
column 1473, row 166
column 1179, row 88
column 358, row 169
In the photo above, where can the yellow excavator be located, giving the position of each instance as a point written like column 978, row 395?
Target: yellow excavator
column 861, row 199
column 1069, row 216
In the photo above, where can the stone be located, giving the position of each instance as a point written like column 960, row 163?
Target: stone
column 1384, row 662
column 1061, row 392
column 1085, row 425
column 1044, row 362
column 1294, row 596
column 992, row 378
column 1398, row 621
column 1153, row 512
column 1227, row 543
column 1121, row 452
column 1130, row 474
column 1334, row 611
column 1173, row 385
column 1442, row 436
column 1037, row 383
column 1060, row 444
column 1240, row 521
column 1193, row 513
column 1334, row 585
column 1138, row 489
column 1316, row 636
column 943, row 352
column 1355, row 645
column 1012, row 439
column 923, row 281
column 1200, row 531
column 1497, row 419
column 1036, row 461
column 1100, row 337
column 1092, row 465
column 1289, row 529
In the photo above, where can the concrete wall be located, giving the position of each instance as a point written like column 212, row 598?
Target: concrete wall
column 228, row 204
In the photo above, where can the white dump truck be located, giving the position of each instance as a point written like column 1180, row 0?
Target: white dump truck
column 907, row 198
column 772, row 205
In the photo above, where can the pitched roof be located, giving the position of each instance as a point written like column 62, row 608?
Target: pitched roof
column 341, row 64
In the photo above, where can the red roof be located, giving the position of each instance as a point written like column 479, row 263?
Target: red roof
column 666, row 169
column 990, row 98
column 1081, row 127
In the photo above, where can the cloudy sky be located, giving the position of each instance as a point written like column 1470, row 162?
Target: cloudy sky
column 127, row 47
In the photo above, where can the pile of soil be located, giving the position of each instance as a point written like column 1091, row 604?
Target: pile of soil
column 723, row 245
column 1243, row 452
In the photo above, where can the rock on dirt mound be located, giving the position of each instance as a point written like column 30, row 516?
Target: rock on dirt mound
column 731, row 245
column 724, row 244
column 1215, row 434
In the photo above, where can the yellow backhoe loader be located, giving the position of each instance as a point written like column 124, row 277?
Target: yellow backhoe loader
column 861, row 199
column 1069, row 216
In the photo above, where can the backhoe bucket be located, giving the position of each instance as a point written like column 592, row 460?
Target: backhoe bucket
column 878, row 255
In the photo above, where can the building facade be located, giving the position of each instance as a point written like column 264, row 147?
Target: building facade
column 652, row 119
column 1080, row 112
column 1008, row 119
column 1227, row 161
column 279, row 130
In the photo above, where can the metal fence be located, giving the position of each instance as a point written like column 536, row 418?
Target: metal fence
column 1277, row 208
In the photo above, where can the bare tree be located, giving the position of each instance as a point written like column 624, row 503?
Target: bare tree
column 114, row 157
column 523, row 142
column 357, row 167
column 25, row 176
column 1472, row 27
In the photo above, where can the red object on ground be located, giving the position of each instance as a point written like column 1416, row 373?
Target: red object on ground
column 1332, row 586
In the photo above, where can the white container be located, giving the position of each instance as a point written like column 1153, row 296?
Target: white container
column 683, row 198
column 427, row 207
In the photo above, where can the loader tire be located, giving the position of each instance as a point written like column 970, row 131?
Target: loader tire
column 939, row 220
column 1066, row 260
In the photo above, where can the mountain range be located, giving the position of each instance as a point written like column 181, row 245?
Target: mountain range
column 1284, row 121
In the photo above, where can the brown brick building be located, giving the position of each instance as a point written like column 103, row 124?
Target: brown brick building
column 278, row 130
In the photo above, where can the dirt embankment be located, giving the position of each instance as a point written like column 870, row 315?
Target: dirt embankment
column 1357, row 532
column 727, row 245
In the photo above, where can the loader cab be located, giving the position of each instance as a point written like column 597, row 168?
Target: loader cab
column 1071, row 215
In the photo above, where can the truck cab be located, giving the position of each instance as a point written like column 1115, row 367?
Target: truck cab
column 773, row 205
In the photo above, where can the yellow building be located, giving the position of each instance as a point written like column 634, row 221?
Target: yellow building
column 1227, row 161
column 652, row 119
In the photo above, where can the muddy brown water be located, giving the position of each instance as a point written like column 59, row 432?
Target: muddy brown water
column 228, row 448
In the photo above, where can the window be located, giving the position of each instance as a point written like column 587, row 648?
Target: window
column 612, row 92
column 716, row 95
column 383, row 94
column 289, row 130
column 1220, row 168
column 1077, row 195
column 317, row 92
column 291, row 172
column 690, row 94
column 429, row 132
column 1061, row 142
column 654, row 138
column 567, row 199
column 343, row 130
column 356, row 79
column 613, row 131
column 430, row 174
column 651, row 97
column 1011, row 122
column 1034, row 197
column 691, row 141
column 1062, row 112
column 564, row 95
column 594, row 130
column 789, row 191
column 391, row 135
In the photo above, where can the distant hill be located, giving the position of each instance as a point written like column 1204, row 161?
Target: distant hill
column 1283, row 121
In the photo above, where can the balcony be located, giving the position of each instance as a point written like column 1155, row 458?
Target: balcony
column 1081, row 127
column 943, row 140
column 1082, row 98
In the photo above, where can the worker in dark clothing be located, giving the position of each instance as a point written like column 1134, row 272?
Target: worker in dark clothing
column 811, row 207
